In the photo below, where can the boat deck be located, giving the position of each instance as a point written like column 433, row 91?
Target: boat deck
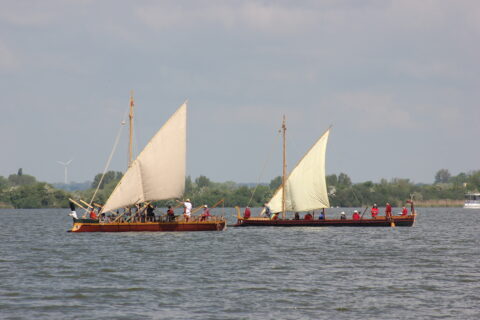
column 400, row 221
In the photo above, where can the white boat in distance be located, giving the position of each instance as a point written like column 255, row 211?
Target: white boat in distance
column 472, row 201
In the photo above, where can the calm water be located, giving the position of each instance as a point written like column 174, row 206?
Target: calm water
column 429, row 271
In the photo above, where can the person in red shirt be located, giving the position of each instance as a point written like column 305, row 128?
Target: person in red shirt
column 404, row 211
column 247, row 213
column 374, row 211
column 93, row 215
column 205, row 214
column 356, row 215
column 170, row 214
column 308, row 216
column 388, row 210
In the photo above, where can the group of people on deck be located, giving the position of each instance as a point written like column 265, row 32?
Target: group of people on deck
column 310, row 216
column 140, row 213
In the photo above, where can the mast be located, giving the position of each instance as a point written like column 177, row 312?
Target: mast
column 284, row 173
column 130, row 143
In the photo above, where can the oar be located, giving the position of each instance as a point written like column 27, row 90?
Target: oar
column 85, row 203
column 363, row 213
column 214, row 206
column 196, row 209
column 78, row 204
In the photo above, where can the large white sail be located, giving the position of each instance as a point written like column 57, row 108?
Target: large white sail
column 305, row 187
column 158, row 172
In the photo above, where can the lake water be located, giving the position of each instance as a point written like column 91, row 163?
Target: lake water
column 429, row 271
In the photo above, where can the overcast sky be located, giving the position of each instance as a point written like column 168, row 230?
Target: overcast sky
column 398, row 80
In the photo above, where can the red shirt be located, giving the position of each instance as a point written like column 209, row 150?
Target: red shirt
column 308, row 216
column 356, row 216
column 404, row 211
column 374, row 212
column 247, row 213
column 93, row 215
column 388, row 208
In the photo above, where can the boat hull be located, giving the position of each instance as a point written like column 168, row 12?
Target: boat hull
column 398, row 221
column 182, row 226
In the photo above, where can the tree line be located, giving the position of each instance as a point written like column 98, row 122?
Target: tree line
column 24, row 191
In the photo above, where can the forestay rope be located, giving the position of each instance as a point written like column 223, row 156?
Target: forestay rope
column 117, row 139
column 267, row 160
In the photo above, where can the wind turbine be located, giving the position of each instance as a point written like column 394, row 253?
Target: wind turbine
column 65, row 164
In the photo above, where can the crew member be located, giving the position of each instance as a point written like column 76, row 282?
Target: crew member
column 205, row 213
column 187, row 209
column 388, row 211
column 356, row 215
column 247, row 213
column 404, row 211
column 308, row 216
column 268, row 212
column 321, row 216
column 150, row 213
column 342, row 216
column 93, row 215
column 170, row 214
column 297, row 216
column 374, row 211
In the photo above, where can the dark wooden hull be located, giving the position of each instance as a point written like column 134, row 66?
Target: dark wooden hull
column 399, row 221
column 182, row 226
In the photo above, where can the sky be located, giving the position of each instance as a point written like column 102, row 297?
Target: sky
column 397, row 80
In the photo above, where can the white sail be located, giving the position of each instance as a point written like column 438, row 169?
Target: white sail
column 158, row 172
column 305, row 187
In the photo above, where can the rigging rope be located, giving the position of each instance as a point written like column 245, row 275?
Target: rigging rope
column 117, row 139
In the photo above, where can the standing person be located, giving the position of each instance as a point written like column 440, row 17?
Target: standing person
column 374, row 211
column 150, row 213
column 205, row 214
column 308, row 216
column 73, row 213
column 268, row 212
column 342, row 215
column 321, row 216
column 170, row 214
column 356, row 215
column 93, row 215
column 388, row 211
column 247, row 213
column 187, row 207
column 297, row 216
column 404, row 211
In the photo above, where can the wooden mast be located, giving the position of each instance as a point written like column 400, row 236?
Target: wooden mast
column 130, row 144
column 284, row 173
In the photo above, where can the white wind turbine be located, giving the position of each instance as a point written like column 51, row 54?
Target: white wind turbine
column 65, row 164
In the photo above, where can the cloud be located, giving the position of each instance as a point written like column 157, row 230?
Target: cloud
column 374, row 111
column 253, row 15
column 8, row 58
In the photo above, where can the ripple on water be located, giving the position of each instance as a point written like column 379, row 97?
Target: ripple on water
column 429, row 271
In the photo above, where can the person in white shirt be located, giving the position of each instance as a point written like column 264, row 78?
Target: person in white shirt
column 187, row 209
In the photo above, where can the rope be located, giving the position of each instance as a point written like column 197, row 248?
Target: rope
column 267, row 160
column 117, row 139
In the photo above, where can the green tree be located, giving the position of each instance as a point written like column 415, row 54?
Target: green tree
column 110, row 176
column 275, row 183
column 344, row 180
column 442, row 176
column 21, row 180
column 202, row 181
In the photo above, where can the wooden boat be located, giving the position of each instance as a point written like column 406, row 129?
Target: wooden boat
column 158, row 173
column 90, row 225
column 305, row 190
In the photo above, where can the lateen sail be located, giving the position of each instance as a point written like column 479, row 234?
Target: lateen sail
column 305, row 187
column 158, row 173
